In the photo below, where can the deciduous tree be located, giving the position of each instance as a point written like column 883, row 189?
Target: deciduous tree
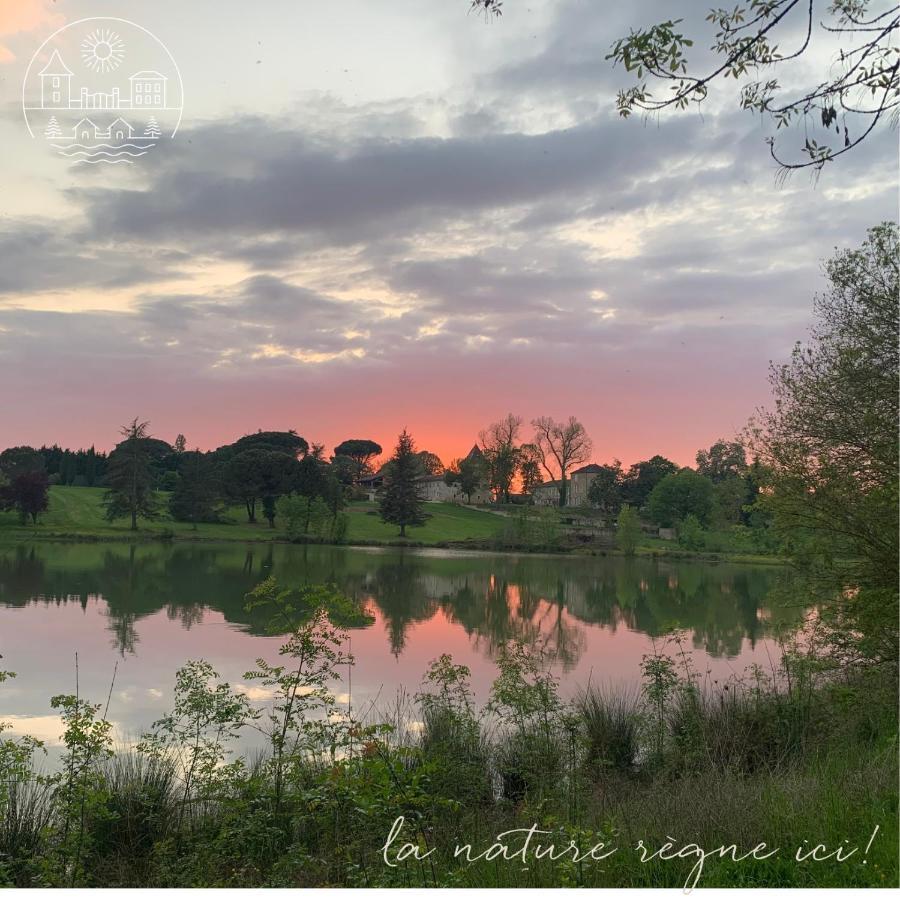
column 605, row 491
column 642, row 477
column 27, row 493
column 725, row 459
column 560, row 446
column 679, row 495
column 469, row 473
column 628, row 530
column 828, row 451
column 429, row 463
column 529, row 468
column 858, row 91
column 499, row 447
column 16, row 460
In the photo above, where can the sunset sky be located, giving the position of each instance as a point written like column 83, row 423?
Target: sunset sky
column 389, row 213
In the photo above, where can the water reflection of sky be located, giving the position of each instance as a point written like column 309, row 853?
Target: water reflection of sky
column 144, row 610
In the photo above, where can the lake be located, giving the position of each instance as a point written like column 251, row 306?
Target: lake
column 150, row 607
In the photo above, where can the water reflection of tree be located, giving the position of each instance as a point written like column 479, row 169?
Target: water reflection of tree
column 398, row 592
column 495, row 599
column 491, row 610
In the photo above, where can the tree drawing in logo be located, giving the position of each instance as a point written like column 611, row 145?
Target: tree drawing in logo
column 152, row 129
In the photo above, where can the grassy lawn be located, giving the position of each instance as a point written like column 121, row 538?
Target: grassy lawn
column 448, row 522
column 78, row 512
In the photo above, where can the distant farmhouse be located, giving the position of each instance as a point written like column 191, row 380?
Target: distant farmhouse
column 147, row 90
column 547, row 494
column 433, row 488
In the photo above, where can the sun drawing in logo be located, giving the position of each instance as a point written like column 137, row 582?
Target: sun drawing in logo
column 102, row 50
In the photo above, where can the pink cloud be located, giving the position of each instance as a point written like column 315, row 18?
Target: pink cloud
column 18, row 16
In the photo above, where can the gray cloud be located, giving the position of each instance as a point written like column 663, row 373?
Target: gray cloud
column 486, row 231
column 350, row 193
column 39, row 256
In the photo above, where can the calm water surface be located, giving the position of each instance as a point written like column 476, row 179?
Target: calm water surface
column 151, row 607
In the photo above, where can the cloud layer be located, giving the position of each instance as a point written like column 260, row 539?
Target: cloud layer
column 429, row 263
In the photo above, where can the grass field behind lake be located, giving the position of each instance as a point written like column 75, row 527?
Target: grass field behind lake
column 78, row 512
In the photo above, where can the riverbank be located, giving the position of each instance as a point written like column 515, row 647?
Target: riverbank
column 76, row 514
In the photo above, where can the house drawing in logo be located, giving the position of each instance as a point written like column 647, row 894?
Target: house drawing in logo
column 86, row 131
column 148, row 89
column 120, row 130
column 56, row 83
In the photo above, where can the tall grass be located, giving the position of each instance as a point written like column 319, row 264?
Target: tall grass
column 610, row 723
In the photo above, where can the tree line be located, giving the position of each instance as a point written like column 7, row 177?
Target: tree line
column 272, row 473
column 822, row 471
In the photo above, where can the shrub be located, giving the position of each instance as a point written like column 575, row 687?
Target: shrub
column 628, row 530
column 452, row 733
column 691, row 535
column 525, row 699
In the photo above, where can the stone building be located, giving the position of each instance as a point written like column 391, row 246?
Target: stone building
column 545, row 494
column 579, row 483
column 433, row 488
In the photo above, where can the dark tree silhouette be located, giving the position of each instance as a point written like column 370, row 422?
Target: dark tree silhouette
column 400, row 502
column 130, row 477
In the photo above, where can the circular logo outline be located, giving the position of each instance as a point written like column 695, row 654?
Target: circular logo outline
column 68, row 25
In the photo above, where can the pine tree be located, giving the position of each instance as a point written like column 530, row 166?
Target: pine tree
column 400, row 502
column 53, row 130
column 196, row 495
column 129, row 477
column 152, row 129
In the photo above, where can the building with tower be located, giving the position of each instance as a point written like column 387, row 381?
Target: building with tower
column 56, row 83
